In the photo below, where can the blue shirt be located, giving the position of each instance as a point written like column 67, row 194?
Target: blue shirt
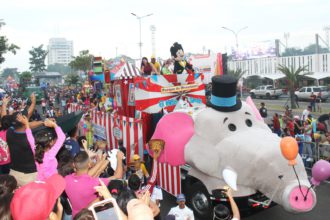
column 72, row 146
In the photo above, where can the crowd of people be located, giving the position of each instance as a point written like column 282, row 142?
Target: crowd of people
column 305, row 128
column 49, row 174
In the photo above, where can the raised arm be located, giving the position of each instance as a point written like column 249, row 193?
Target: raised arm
column 4, row 106
column 233, row 205
column 60, row 137
column 119, row 171
column 23, row 119
column 32, row 106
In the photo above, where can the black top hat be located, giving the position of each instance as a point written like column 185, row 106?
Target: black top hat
column 223, row 96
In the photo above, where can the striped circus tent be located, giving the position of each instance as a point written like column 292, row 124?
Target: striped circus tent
column 124, row 71
column 118, row 127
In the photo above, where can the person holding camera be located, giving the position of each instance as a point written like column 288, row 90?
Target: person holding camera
column 221, row 212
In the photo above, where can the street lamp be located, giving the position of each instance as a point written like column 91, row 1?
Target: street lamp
column 140, row 18
column 235, row 33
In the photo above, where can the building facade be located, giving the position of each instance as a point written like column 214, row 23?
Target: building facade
column 60, row 51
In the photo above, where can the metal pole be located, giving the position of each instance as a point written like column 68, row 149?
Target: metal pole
column 140, row 40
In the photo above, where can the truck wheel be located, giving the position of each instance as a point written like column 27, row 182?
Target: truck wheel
column 253, row 95
column 268, row 96
column 198, row 199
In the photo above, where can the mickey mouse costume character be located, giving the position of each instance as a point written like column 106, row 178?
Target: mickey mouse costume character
column 180, row 64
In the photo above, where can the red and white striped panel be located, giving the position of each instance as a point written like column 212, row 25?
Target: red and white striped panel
column 169, row 178
column 132, row 131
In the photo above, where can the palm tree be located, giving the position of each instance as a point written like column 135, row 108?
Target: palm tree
column 237, row 74
column 292, row 75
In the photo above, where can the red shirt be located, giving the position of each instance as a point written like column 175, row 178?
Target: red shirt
column 276, row 123
column 290, row 126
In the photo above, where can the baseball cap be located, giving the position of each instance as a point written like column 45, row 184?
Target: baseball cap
column 36, row 200
column 136, row 157
column 180, row 198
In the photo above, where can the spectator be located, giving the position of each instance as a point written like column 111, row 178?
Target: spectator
column 313, row 101
column 276, row 125
column 80, row 185
column 221, row 212
column 43, row 106
column 166, row 68
column 319, row 102
column 44, row 146
column 155, row 64
column 263, row 110
column 36, row 200
column 182, row 212
column 140, row 169
column 36, row 116
column 123, row 198
column 4, row 149
column 305, row 113
column 71, row 143
column 324, row 119
column 84, row 214
column 5, row 201
column 297, row 125
column 8, row 185
column 146, row 67
column 22, row 165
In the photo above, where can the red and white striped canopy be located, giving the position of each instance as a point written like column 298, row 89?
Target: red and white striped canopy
column 126, row 71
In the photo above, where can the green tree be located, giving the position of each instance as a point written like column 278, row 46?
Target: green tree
column 72, row 79
column 292, row 76
column 25, row 78
column 82, row 62
column 5, row 46
column 60, row 68
column 9, row 72
column 237, row 74
column 37, row 59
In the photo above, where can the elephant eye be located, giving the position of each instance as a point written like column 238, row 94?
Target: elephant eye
column 232, row 127
column 248, row 122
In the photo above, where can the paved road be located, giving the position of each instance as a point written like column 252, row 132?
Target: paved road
column 320, row 212
column 284, row 101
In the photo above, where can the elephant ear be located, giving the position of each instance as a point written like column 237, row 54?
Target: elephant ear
column 175, row 129
column 250, row 102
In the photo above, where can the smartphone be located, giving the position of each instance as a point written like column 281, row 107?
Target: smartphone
column 105, row 210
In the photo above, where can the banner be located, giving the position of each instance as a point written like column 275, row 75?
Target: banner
column 159, row 92
column 118, row 96
column 131, row 95
column 99, row 132
column 205, row 64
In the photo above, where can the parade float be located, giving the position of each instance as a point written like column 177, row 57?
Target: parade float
column 206, row 148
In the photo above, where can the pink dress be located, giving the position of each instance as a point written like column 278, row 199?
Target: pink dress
column 49, row 165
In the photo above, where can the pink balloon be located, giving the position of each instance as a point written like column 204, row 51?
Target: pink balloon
column 175, row 129
column 320, row 172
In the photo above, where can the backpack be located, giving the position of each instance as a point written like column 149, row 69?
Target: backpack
column 4, row 152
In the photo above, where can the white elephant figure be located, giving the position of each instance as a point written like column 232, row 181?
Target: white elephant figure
column 214, row 140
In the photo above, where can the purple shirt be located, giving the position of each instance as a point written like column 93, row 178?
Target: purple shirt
column 49, row 165
column 80, row 190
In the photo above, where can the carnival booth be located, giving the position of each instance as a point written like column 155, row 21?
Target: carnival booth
column 122, row 77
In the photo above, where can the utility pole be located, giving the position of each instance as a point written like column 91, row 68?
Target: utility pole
column 235, row 33
column 153, row 39
column 326, row 30
column 140, row 18
column 286, row 37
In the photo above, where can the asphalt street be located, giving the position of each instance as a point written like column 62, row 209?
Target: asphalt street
column 320, row 212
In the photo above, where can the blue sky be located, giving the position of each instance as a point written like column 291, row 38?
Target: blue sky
column 103, row 25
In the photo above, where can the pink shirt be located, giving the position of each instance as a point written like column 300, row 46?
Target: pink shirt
column 49, row 165
column 80, row 190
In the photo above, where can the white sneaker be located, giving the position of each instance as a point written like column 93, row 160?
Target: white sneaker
column 309, row 159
